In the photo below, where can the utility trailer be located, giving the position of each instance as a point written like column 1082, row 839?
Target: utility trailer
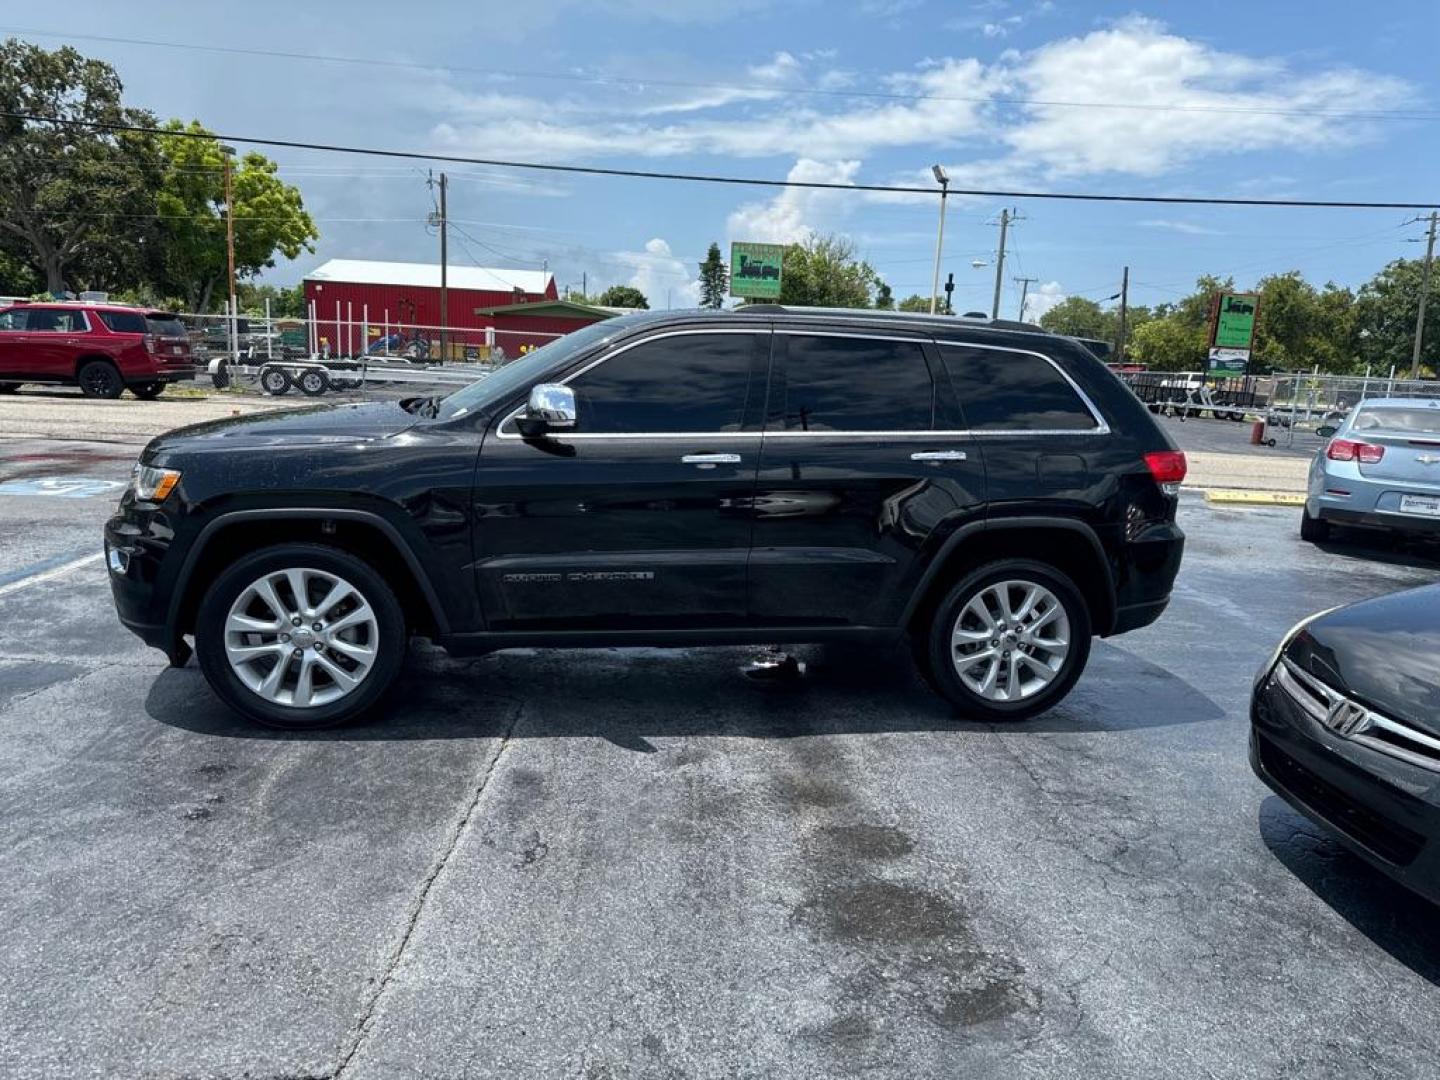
column 314, row 376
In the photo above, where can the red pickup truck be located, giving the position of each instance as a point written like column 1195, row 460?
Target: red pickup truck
column 102, row 348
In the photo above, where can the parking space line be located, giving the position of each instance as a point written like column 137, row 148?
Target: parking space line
column 45, row 570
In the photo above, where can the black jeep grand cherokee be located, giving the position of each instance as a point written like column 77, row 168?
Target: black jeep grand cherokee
column 755, row 476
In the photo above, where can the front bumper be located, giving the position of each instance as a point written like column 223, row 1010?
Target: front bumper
column 133, row 559
column 1385, row 810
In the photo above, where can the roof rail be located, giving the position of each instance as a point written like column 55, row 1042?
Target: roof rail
column 882, row 313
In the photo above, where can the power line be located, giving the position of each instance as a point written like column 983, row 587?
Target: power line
column 710, row 178
column 748, row 91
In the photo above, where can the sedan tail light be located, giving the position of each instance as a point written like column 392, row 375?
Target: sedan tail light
column 1351, row 450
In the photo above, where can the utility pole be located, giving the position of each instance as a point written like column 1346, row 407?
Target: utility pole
column 1124, row 312
column 1024, row 283
column 444, row 276
column 1424, row 296
column 1000, row 263
column 230, row 300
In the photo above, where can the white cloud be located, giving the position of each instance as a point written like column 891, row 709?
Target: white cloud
column 795, row 213
column 661, row 276
column 1186, row 227
column 1042, row 298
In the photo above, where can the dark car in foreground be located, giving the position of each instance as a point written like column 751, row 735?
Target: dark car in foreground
column 1345, row 725
column 104, row 349
column 987, row 491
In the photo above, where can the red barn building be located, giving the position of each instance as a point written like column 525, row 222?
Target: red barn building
column 358, row 298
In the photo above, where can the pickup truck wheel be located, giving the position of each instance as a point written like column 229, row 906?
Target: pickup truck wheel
column 1009, row 640
column 99, row 379
column 300, row 636
column 147, row 391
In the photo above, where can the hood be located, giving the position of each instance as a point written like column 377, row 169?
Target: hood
column 316, row 425
column 1384, row 652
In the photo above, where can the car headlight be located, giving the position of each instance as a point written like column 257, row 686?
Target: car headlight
column 152, row 484
column 1293, row 633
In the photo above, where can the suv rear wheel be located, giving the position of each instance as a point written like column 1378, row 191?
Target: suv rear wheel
column 99, row 379
column 1008, row 640
column 300, row 636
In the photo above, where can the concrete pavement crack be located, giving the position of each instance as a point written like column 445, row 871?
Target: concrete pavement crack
column 361, row 1031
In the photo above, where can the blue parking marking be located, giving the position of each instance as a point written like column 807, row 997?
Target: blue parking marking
column 62, row 487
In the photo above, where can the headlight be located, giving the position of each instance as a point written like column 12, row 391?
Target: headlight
column 1294, row 632
column 152, row 484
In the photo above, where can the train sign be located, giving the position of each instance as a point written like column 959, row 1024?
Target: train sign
column 755, row 270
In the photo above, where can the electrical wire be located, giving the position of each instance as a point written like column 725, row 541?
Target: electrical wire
column 711, row 178
column 775, row 91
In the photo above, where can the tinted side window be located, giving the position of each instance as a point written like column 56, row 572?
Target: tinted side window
column 124, row 322
column 12, row 319
column 54, row 320
column 1009, row 391
column 856, row 384
column 691, row 382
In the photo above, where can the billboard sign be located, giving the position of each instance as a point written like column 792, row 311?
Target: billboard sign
column 1226, row 363
column 755, row 270
column 1233, row 322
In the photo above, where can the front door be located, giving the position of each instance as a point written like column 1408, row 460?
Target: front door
column 865, row 456
column 52, row 336
column 639, row 518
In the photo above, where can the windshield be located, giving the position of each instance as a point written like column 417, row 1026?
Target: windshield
column 1419, row 420
column 524, row 372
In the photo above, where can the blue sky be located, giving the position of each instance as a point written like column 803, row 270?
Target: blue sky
column 1232, row 100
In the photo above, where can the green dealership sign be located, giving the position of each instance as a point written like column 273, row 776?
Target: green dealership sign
column 1234, row 321
column 755, row 270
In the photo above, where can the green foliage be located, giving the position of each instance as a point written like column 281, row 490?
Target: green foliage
column 1169, row 344
column 1385, row 310
column 822, row 271
column 76, row 204
column 1077, row 316
column 17, row 277
column 284, row 303
column 626, row 296
column 270, row 217
column 884, row 297
column 915, row 302
column 714, row 279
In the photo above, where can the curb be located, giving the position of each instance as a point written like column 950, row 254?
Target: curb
column 1241, row 497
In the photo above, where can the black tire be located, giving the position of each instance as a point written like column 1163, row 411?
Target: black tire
column 1313, row 530
column 275, row 381
column 215, row 609
column 943, row 673
column 221, row 378
column 312, row 382
column 147, row 391
column 99, row 379
column 9, row 387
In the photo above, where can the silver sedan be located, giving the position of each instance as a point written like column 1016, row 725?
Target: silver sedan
column 1380, row 469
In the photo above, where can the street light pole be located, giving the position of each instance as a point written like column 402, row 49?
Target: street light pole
column 944, row 181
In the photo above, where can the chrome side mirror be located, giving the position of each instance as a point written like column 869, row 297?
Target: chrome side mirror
column 551, row 408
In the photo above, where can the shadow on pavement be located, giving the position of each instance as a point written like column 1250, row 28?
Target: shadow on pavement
column 1420, row 553
column 1405, row 925
column 624, row 696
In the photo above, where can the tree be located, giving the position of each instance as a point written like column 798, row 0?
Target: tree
column 270, row 217
column 714, row 279
column 626, row 296
column 284, row 303
column 884, row 297
column 77, row 201
column 822, row 271
column 1077, row 316
column 1384, row 318
column 915, row 302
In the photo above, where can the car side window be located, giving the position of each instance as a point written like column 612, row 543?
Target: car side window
column 13, row 319
column 55, row 321
column 679, row 383
column 856, row 384
column 124, row 322
column 1013, row 391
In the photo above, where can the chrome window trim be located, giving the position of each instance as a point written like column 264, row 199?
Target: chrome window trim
column 84, row 318
column 1102, row 426
column 624, row 347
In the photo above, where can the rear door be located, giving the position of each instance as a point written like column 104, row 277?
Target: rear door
column 639, row 519
column 864, row 457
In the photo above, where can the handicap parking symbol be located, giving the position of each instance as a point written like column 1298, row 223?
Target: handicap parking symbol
column 62, row 487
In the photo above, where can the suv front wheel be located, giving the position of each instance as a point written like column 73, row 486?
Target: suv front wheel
column 300, row 636
column 1008, row 641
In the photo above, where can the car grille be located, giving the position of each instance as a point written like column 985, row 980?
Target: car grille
column 1349, row 719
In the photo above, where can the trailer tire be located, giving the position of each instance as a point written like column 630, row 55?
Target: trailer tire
column 312, row 382
column 275, row 381
column 221, row 377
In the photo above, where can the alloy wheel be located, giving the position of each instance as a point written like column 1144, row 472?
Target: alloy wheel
column 1010, row 640
column 301, row 637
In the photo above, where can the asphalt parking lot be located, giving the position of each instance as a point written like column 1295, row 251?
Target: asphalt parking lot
column 635, row 863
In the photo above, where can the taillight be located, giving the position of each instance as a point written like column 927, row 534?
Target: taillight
column 151, row 344
column 1167, row 466
column 1350, row 450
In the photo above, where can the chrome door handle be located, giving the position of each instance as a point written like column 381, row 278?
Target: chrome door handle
column 938, row 455
column 709, row 461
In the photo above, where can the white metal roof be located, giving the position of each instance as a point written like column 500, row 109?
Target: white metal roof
column 427, row 275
